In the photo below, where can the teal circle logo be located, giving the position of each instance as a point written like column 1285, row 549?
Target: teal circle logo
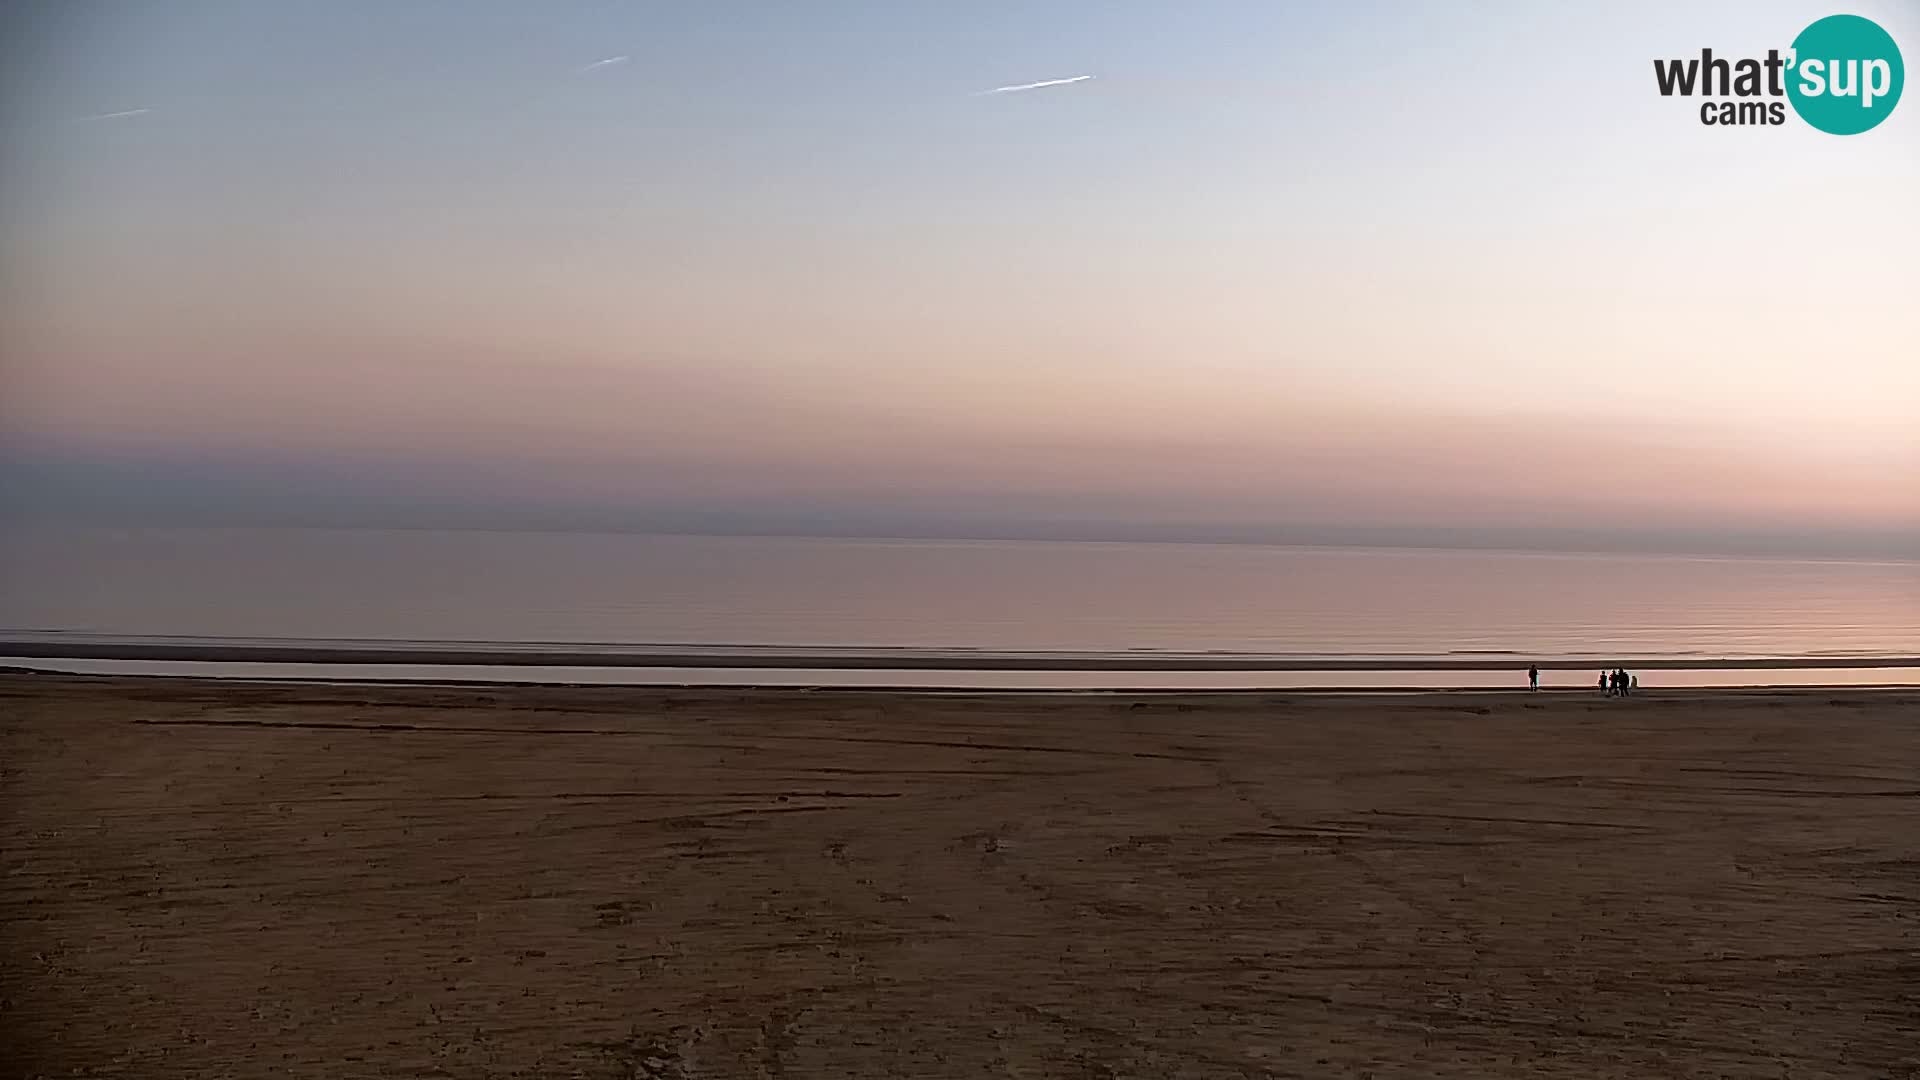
column 1846, row 74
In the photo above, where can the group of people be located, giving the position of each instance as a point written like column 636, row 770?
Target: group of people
column 1615, row 683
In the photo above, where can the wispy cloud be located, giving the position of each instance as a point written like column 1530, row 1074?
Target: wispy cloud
column 1033, row 85
column 608, row 62
column 123, row 113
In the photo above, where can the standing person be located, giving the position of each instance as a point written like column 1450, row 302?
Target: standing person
column 1604, row 691
column 1533, row 676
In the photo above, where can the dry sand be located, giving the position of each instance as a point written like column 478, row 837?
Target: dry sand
column 207, row 879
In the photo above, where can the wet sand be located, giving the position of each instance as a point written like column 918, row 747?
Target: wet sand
column 222, row 879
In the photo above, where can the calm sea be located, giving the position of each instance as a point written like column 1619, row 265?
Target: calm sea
column 1103, row 597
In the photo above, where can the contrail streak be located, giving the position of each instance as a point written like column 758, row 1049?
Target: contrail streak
column 609, row 61
column 117, row 115
column 1032, row 85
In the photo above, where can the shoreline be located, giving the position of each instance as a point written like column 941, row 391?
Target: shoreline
column 54, row 678
column 868, row 659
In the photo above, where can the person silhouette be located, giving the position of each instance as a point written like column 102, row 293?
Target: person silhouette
column 1605, row 690
column 1533, row 676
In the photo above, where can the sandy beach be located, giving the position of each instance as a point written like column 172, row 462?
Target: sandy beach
column 248, row 879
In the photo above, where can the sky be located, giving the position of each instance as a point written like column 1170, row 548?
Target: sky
column 1275, row 271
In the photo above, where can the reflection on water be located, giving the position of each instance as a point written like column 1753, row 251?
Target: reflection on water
column 1012, row 596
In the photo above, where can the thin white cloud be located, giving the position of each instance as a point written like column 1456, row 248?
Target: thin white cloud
column 117, row 115
column 608, row 62
column 1033, row 85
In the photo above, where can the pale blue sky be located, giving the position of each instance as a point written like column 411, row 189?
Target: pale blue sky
column 1375, row 264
